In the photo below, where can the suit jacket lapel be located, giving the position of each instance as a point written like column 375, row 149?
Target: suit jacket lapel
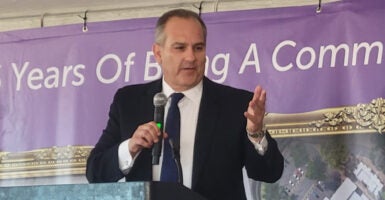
column 207, row 117
column 146, row 104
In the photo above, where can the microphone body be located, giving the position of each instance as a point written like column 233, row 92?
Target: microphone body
column 160, row 101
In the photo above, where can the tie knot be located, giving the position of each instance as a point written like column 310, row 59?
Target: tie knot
column 176, row 97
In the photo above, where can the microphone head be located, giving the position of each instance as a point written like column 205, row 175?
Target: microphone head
column 160, row 99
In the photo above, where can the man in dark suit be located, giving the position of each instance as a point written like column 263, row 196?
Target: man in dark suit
column 221, row 128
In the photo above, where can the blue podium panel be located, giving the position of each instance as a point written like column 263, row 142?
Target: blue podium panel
column 102, row 191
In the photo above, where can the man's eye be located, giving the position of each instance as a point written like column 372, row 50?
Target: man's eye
column 199, row 48
column 179, row 47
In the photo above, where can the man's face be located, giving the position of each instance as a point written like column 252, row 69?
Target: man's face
column 182, row 56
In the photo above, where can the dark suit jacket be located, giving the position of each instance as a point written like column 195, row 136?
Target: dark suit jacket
column 221, row 147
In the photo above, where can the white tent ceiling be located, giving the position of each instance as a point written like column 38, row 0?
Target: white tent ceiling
column 21, row 14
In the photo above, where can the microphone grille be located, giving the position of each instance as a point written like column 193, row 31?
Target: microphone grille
column 160, row 99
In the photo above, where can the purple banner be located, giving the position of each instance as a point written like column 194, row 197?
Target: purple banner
column 56, row 84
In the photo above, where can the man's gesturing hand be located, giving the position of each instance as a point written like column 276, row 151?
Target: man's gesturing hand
column 256, row 111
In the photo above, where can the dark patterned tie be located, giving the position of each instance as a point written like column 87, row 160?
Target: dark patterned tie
column 169, row 171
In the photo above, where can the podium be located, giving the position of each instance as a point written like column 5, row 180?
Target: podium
column 104, row 191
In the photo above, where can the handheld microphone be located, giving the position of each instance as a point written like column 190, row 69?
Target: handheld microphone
column 160, row 101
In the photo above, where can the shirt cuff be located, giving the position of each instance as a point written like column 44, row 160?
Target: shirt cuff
column 260, row 146
column 126, row 161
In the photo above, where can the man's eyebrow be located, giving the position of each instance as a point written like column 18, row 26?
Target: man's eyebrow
column 200, row 44
column 183, row 43
column 178, row 44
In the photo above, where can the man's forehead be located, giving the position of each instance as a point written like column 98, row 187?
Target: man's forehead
column 174, row 24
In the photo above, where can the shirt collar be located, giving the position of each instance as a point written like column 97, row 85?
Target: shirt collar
column 194, row 94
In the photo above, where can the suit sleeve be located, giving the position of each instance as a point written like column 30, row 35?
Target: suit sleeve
column 103, row 161
column 267, row 168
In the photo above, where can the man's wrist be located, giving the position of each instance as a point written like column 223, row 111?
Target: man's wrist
column 256, row 134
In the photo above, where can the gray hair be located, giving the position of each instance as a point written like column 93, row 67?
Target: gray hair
column 182, row 13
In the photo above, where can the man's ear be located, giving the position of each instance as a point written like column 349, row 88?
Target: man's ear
column 156, row 50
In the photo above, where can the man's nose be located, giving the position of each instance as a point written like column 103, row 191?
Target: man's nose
column 190, row 54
